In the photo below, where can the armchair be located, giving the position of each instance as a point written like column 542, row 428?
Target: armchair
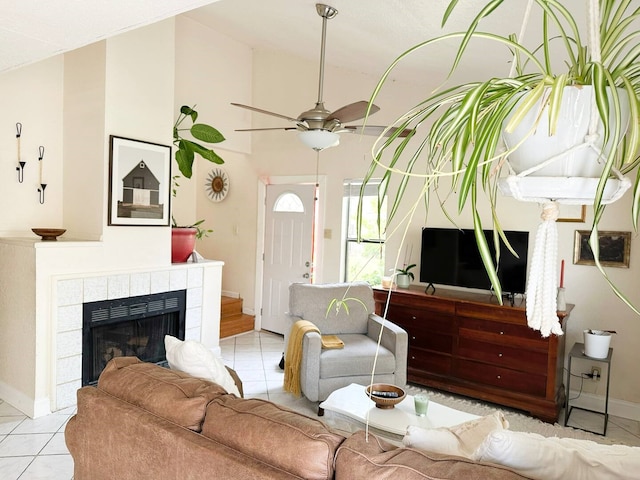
column 323, row 371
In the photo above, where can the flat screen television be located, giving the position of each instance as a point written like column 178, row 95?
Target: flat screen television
column 450, row 256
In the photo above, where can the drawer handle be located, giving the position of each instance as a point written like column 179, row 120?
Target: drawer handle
column 413, row 318
column 498, row 377
column 413, row 338
column 500, row 354
column 412, row 357
column 501, row 333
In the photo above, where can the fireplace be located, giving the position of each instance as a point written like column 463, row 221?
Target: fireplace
column 134, row 326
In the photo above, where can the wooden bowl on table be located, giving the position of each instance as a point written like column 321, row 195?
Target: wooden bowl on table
column 385, row 395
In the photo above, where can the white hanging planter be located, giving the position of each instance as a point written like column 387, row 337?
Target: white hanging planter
column 565, row 167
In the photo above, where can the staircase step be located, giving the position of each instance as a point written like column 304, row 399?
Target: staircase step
column 236, row 324
column 230, row 306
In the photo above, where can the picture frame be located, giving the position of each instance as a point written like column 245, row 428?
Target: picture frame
column 572, row 213
column 139, row 182
column 615, row 248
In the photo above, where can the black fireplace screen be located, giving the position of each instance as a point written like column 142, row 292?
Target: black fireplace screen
column 133, row 326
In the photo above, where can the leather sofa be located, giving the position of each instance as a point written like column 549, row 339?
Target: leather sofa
column 143, row 421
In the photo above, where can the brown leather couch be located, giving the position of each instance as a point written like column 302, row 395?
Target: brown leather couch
column 147, row 422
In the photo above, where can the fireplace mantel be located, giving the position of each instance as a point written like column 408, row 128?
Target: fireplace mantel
column 43, row 287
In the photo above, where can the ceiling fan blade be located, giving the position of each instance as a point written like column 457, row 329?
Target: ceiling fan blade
column 263, row 129
column 353, row 111
column 266, row 112
column 376, row 130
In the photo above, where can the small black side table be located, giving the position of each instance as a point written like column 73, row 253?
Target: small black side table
column 578, row 352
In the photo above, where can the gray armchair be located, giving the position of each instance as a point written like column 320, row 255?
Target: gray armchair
column 323, row 371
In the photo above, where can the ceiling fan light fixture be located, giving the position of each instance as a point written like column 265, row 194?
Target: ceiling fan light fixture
column 319, row 139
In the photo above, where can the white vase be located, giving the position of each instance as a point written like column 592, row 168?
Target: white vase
column 572, row 128
column 596, row 343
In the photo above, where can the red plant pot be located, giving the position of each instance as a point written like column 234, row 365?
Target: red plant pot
column 183, row 241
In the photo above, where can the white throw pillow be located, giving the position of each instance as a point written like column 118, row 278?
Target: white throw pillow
column 554, row 458
column 462, row 439
column 197, row 360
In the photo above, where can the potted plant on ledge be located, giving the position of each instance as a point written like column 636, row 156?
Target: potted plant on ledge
column 464, row 134
column 183, row 238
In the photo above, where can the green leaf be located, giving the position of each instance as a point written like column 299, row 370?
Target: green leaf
column 206, row 133
column 184, row 156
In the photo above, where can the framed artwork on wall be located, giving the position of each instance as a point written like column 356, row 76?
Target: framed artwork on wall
column 572, row 213
column 139, row 182
column 615, row 248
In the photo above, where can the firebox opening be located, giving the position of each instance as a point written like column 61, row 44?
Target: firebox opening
column 134, row 326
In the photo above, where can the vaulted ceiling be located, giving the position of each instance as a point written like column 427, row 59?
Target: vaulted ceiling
column 366, row 35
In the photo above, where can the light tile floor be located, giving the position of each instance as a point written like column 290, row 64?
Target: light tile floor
column 35, row 449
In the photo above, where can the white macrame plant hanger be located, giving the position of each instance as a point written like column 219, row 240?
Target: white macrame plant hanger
column 542, row 285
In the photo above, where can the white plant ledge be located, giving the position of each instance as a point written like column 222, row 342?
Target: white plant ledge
column 566, row 190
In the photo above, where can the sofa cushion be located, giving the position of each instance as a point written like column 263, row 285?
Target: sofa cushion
column 197, row 360
column 356, row 358
column 377, row 459
column 462, row 439
column 552, row 458
column 274, row 435
column 175, row 396
column 310, row 302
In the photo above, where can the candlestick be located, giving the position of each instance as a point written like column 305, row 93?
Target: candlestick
column 562, row 274
column 40, row 160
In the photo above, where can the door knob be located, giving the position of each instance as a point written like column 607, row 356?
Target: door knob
column 307, row 264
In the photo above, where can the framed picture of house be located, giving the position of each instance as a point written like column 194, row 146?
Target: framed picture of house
column 615, row 248
column 139, row 182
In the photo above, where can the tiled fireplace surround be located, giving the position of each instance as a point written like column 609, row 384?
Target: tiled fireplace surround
column 72, row 293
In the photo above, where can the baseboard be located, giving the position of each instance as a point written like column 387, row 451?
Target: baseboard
column 28, row 406
column 228, row 293
column 618, row 408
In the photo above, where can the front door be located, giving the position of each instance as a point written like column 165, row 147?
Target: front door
column 288, row 249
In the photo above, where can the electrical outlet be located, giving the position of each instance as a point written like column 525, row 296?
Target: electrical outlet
column 595, row 374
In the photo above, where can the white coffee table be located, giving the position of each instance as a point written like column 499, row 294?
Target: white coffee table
column 352, row 401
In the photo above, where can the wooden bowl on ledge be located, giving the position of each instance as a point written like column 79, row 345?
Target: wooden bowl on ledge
column 48, row 234
column 385, row 395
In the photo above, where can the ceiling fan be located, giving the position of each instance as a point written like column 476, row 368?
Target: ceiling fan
column 319, row 128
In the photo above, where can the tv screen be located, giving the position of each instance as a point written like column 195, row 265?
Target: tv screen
column 450, row 257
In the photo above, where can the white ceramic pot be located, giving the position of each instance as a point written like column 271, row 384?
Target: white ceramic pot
column 596, row 343
column 403, row 281
column 572, row 128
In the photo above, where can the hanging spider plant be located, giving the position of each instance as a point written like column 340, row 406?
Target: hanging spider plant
column 456, row 133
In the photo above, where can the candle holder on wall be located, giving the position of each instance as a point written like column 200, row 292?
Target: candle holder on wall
column 21, row 164
column 42, row 185
column 41, row 192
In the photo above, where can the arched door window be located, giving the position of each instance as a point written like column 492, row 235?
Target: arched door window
column 288, row 202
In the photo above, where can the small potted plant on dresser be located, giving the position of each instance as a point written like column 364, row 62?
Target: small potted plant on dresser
column 404, row 276
column 183, row 238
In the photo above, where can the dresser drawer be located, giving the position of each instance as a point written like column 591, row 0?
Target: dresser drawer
column 500, row 332
column 410, row 318
column 430, row 362
column 531, row 361
column 505, row 378
column 429, row 340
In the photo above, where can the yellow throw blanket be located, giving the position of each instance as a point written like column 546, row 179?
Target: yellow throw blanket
column 293, row 358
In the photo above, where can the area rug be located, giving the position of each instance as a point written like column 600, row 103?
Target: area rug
column 518, row 421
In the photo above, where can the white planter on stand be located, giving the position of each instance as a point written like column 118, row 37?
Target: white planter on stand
column 596, row 343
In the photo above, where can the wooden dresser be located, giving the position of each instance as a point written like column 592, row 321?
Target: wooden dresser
column 467, row 343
